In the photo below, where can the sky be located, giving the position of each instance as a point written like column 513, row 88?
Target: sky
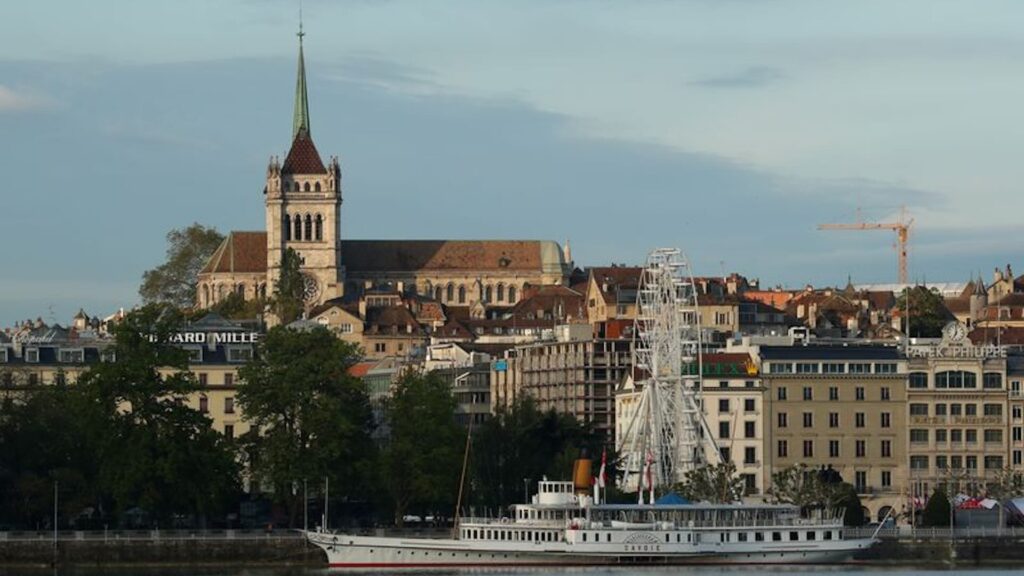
column 726, row 128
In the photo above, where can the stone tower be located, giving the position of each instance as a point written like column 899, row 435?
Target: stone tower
column 978, row 301
column 303, row 207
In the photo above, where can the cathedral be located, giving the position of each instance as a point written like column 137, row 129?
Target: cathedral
column 303, row 198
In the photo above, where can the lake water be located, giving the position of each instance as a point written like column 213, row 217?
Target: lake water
column 674, row 571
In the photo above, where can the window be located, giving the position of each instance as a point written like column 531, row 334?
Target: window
column 723, row 429
column 885, row 393
column 956, row 462
column 380, row 347
column 970, row 409
column 971, row 435
column 859, row 448
column 204, row 404
column 886, row 420
column 860, row 368
column 918, row 435
column 833, row 368
column 956, row 379
column 858, row 393
column 971, row 462
column 1018, row 434
column 919, row 409
column 319, row 225
column 956, row 436
column 941, row 462
column 239, row 354
column 203, row 379
column 993, row 409
column 833, row 393
column 940, row 410
column 783, row 419
column 993, row 462
column 1018, row 457
column 229, row 405
column 450, row 293
column 918, row 462
column 886, row 448
column 748, row 430
column 955, row 409
column 781, row 393
column 992, row 380
column 512, row 294
column 229, row 431
column 783, row 449
column 833, row 419
column 886, row 479
column 723, row 383
column 940, row 436
column 806, row 367
column 32, row 355
column 750, row 455
column 885, row 368
column 229, row 379
column 73, row 356
column 462, row 294
column 858, row 419
column 749, row 404
column 808, row 420
column 918, row 380
column 1017, row 413
column 748, row 383
column 993, row 435
column 808, row 448
column 833, row 448
column 808, row 393
column 345, row 328
column 723, row 405
column 860, row 481
column 780, row 368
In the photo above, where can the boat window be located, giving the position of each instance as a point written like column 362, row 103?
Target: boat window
column 584, row 536
column 794, row 536
column 759, row 536
column 776, row 536
column 828, row 535
column 666, row 537
column 742, row 536
column 678, row 537
column 839, row 535
column 811, row 536
column 608, row 536
column 689, row 537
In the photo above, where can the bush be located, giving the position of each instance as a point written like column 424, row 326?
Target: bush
column 937, row 511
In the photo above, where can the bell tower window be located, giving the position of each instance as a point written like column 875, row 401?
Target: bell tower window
column 309, row 228
column 298, row 227
column 316, row 187
column 319, row 225
column 305, row 187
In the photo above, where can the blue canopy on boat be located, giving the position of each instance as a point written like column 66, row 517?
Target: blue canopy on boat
column 671, row 499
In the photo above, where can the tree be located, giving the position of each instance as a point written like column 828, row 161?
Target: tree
column 310, row 418
column 928, row 313
column 718, row 484
column 288, row 301
column 1007, row 483
column 421, row 462
column 174, row 281
column 811, row 489
column 937, row 512
column 153, row 450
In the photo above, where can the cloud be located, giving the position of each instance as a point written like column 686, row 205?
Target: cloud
column 750, row 77
column 12, row 100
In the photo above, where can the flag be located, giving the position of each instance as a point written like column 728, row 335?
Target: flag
column 602, row 476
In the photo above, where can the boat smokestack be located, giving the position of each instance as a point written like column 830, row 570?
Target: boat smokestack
column 581, row 476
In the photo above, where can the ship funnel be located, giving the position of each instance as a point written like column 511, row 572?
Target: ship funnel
column 581, row 476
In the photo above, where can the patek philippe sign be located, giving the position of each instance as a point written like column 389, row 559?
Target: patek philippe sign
column 956, row 351
column 213, row 338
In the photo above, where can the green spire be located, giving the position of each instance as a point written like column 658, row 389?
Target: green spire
column 301, row 117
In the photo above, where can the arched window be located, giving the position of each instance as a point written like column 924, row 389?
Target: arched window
column 319, row 226
column 316, row 187
column 240, row 290
column 956, row 379
column 501, row 292
column 437, row 293
column 309, row 227
column 263, row 291
column 298, row 228
column 487, row 293
column 220, row 292
column 206, row 296
column 512, row 294
column 305, row 187
column 450, row 293
column 287, row 228
column 462, row 294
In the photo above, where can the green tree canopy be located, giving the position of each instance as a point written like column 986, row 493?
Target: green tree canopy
column 288, row 301
column 174, row 281
column 310, row 418
column 937, row 511
column 811, row 489
column 928, row 312
column 422, row 459
column 718, row 484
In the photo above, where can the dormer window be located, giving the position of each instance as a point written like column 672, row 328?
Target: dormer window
column 32, row 355
column 240, row 354
column 72, row 356
column 4, row 355
column 195, row 354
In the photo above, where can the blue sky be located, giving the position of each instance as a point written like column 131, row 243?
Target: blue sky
column 729, row 128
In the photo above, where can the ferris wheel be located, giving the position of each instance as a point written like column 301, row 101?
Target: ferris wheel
column 665, row 435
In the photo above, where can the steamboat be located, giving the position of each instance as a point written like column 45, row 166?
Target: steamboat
column 561, row 527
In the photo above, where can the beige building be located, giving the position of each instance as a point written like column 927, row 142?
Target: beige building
column 842, row 407
column 303, row 198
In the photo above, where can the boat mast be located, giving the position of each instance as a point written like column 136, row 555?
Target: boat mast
column 462, row 478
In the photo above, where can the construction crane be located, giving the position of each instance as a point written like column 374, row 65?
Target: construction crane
column 901, row 226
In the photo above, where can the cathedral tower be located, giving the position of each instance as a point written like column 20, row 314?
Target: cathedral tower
column 303, row 207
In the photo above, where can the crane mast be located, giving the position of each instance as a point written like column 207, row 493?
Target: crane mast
column 901, row 226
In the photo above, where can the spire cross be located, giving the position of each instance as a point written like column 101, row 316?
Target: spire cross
column 301, row 33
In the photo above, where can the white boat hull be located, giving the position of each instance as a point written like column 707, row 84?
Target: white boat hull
column 383, row 553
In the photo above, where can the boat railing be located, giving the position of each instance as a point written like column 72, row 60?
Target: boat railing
column 511, row 522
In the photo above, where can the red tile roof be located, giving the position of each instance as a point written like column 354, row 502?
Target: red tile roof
column 239, row 252
column 411, row 255
column 303, row 157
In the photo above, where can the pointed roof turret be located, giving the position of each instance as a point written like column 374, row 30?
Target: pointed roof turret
column 300, row 119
